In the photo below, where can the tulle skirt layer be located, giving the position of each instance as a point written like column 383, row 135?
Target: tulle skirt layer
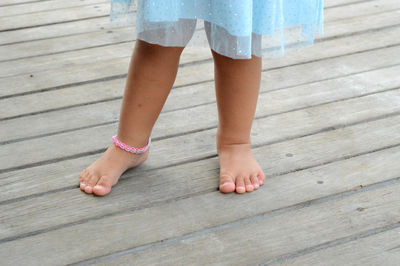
column 234, row 28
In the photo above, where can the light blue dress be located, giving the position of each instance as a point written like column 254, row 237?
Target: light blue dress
column 234, row 28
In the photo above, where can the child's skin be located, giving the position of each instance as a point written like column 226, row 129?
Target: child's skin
column 151, row 75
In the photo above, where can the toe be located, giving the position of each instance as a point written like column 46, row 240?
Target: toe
column 254, row 181
column 249, row 186
column 240, row 188
column 103, row 186
column 88, row 189
column 82, row 186
column 261, row 177
column 226, row 183
column 92, row 180
column 83, row 178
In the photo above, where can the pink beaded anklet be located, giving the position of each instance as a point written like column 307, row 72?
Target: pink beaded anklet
column 129, row 148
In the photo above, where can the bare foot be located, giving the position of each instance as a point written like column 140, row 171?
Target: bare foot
column 239, row 170
column 104, row 173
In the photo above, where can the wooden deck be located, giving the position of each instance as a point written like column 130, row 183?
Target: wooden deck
column 326, row 132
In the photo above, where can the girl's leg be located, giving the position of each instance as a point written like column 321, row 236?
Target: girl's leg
column 237, row 84
column 151, row 75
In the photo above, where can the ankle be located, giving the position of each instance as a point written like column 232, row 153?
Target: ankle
column 134, row 141
column 229, row 140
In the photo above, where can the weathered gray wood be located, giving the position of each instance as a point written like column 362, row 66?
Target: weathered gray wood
column 327, row 125
column 11, row 2
column 322, row 50
column 26, row 182
column 302, row 123
column 16, row 2
column 117, row 66
column 48, row 9
column 361, row 8
column 54, row 16
column 283, row 156
column 191, row 119
column 67, row 43
column 20, row 2
column 96, row 38
column 190, row 96
column 16, row 106
column 56, row 30
column 376, row 105
column 82, row 26
column 92, row 54
column 377, row 249
column 262, row 238
column 219, row 236
column 72, row 74
column 30, row 7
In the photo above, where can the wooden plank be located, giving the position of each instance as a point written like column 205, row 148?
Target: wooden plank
column 81, row 231
column 56, row 30
column 138, row 189
column 307, row 121
column 376, row 249
column 332, row 3
column 80, row 26
column 69, row 43
column 26, row 103
column 209, row 227
column 26, row 182
column 297, row 97
column 359, row 24
column 23, row 83
column 50, row 8
column 96, row 38
column 362, row 8
column 31, row 7
column 54, row 16
column 17, row 2
column 117, row 65
column 97, row 56
column 260, row 239
column 26, row 6
column 180, row 98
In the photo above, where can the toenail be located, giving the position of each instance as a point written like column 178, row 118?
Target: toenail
column 226, row 183
column 97, row 186
column 256, row 185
